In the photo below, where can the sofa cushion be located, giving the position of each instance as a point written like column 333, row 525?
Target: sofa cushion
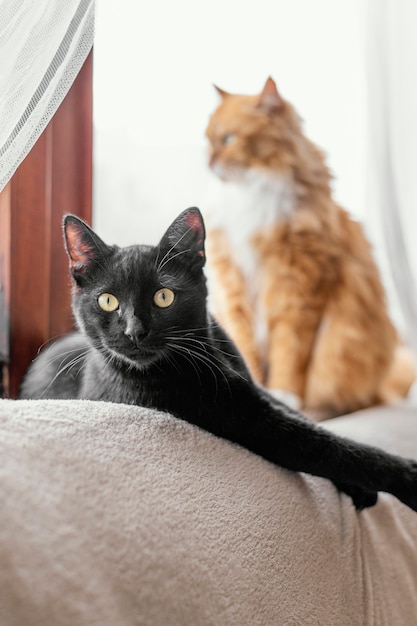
column 118, row 516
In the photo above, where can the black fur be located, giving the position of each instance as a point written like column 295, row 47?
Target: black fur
column 178, row 359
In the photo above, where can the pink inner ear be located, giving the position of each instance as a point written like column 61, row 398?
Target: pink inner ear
column 194, row 222
column 270, row 98
column 79, row 251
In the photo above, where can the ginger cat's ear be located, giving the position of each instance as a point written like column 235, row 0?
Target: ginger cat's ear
column 269, row 100
column 223, row 94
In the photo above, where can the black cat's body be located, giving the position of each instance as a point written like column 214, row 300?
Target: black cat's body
column 174, row 357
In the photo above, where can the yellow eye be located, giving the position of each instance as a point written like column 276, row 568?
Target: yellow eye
column 164, row 297
column 108, row 302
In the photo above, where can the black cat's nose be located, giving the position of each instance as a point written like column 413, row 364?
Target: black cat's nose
column 136, row 331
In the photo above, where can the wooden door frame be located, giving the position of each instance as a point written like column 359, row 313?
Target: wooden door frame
column 55, row 178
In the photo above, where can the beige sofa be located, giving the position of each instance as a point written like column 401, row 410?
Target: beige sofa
column 120, row 516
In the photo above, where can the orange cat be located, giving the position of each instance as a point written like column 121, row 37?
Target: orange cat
column 294, row 280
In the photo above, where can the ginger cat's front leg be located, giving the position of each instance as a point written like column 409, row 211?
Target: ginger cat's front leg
column 292, row 332
column 295, row 287
column 232, row 305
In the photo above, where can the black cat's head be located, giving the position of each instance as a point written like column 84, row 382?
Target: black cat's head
column 134, row 303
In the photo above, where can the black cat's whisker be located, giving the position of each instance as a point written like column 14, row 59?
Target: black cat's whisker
column 161, row 264
column 180, row 333
column 200, row 340
column 207, row 359
column 67, row 367
column 109, row 360
column 158, row 367
column 188, row 357
column 179, row 329
column 82, row 367
column 172, row 248
column 199, row 345
column 52, row 340
column 169, row 259
column 219, row 360
column 193, row 359
column 192, row 332
column 61, row 355
column 172, row 361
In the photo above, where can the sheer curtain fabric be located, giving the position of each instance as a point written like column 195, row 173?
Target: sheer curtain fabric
column 392, row 157
column 43, row 45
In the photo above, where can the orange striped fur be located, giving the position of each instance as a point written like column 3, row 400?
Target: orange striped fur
column 293, row 277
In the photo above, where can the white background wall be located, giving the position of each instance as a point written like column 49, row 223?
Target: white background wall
column 155, row 63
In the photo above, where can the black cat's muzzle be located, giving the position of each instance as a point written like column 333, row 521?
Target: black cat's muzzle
column 136, row 332
column 137, row 337
column 139, row 349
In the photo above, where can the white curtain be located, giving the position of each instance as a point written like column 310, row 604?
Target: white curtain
column 43, row 44
column 392, row 158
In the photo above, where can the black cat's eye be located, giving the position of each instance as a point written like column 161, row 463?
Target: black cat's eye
column 108, row 302
column 228, row 139
column 164, row 297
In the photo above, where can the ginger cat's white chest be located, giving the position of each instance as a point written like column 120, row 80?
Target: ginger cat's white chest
column 240, row 209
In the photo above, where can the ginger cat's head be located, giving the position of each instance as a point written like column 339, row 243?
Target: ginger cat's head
column 261, row 132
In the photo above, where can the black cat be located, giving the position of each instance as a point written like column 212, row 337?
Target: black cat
column 146, row 338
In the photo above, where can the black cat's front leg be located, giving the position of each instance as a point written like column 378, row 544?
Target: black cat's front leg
column 361, row 497
column 288, row 439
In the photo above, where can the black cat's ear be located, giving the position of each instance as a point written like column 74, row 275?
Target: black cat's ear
column 269, row 100
column 83, row 246
column 185, row 236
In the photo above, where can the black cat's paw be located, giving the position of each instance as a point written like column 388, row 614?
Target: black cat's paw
column 362, row 498
column 408, row 492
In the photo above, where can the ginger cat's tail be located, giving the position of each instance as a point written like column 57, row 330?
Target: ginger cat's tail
column 402, row 373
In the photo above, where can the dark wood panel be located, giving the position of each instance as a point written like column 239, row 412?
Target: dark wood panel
column 29, row 258
column 71, row 189
column 4, row 289
column 55, row 178
column 4, row 273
